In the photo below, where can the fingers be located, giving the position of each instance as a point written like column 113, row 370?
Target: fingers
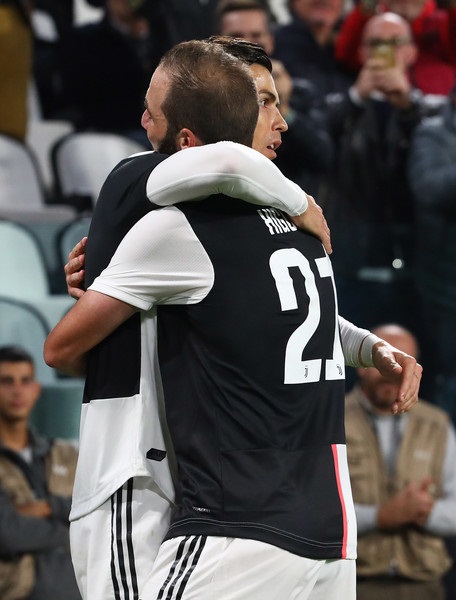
column 409, row 386
column 74, row 264
column 78, row 249
column 74, row 272
column 326, row 239
column 314, row 221
column 75, row 284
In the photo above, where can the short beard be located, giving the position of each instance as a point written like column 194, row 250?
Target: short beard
column 168, row 143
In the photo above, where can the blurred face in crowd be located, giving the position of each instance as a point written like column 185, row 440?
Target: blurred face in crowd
column 18, row 391
column 381, row 392
column 251, row 25
column 122, row 13
column 390, row 30
column 270, row 126
column 318, row 13
column 409, row 9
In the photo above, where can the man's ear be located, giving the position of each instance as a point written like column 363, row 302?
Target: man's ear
column 187, row 139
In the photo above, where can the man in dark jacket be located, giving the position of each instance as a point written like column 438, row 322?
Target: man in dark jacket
column 105, row 69
column 307, row 150
column 306, row 45
column 36, row 480
column 369, row 207
column 432, row 177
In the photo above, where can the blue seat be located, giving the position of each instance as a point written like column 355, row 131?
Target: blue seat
column 70, row 235
column 23, row 273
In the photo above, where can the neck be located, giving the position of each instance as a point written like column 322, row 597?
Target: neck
column 371, row 406
column 14, row 435
column 382, row 412
column 321, row 32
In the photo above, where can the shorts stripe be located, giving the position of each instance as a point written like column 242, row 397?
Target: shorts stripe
column 123, row 570
column 182, row 567
column 186, row 577
column 131, row 554
column 340, row 489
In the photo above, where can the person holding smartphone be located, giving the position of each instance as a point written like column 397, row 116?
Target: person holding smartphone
column 368, row 204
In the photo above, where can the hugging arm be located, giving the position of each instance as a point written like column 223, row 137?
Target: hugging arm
column 87, row 323
column 239, row 172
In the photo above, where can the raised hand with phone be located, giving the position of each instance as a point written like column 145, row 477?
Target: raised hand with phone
column 387, row 54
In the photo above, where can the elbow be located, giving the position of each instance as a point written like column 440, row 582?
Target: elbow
column 51, row 355
column 58, row 357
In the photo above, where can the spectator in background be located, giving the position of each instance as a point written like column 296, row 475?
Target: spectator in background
column 60, row 11
column 403, row 477
column 179, row 20
column 433, row 26
column 15, row 67
column 369, row 207
column 306, row 45
column 52, row 21
column 307, row 151
column 432, row 177
column 105, row 68
column 36, row 482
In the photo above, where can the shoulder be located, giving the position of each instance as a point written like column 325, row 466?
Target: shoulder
column 431, row 123
column 431, row 104
column 64, row 451
column 162, row 219
column 127, row 180
column 137, row 163
column 352, row 402
column 426, row 410
column 164, row 232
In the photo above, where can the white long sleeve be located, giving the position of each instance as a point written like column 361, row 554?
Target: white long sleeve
column 355, row 339
column 224, row 168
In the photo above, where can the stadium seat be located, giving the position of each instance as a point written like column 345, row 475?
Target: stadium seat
column 82, row 161
column 58, row 410
column 23, row 274
column 70, row 235
column 23, row 325
column 22, row 192
column 42, row 135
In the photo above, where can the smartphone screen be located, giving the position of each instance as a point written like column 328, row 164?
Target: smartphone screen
column 386, row 52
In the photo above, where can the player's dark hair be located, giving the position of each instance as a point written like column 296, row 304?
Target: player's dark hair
column 247, row 52
column 15, row 354
column 211, row 93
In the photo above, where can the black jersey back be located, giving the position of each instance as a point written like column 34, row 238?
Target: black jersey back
column 254, row 388
column 122, row 202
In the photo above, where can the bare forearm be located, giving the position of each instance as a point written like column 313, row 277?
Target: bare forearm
column 90, row 321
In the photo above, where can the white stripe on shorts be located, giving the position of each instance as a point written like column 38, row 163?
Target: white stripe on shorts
column 187, row 556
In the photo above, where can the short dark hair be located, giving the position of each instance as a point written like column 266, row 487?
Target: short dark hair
column 15, row 354
column 211, row 92
column 247, row 52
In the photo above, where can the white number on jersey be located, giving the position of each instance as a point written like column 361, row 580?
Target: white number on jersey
column 297, row 370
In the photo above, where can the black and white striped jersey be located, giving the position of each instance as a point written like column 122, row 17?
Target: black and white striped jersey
column 252, row 369
column 122, row 432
